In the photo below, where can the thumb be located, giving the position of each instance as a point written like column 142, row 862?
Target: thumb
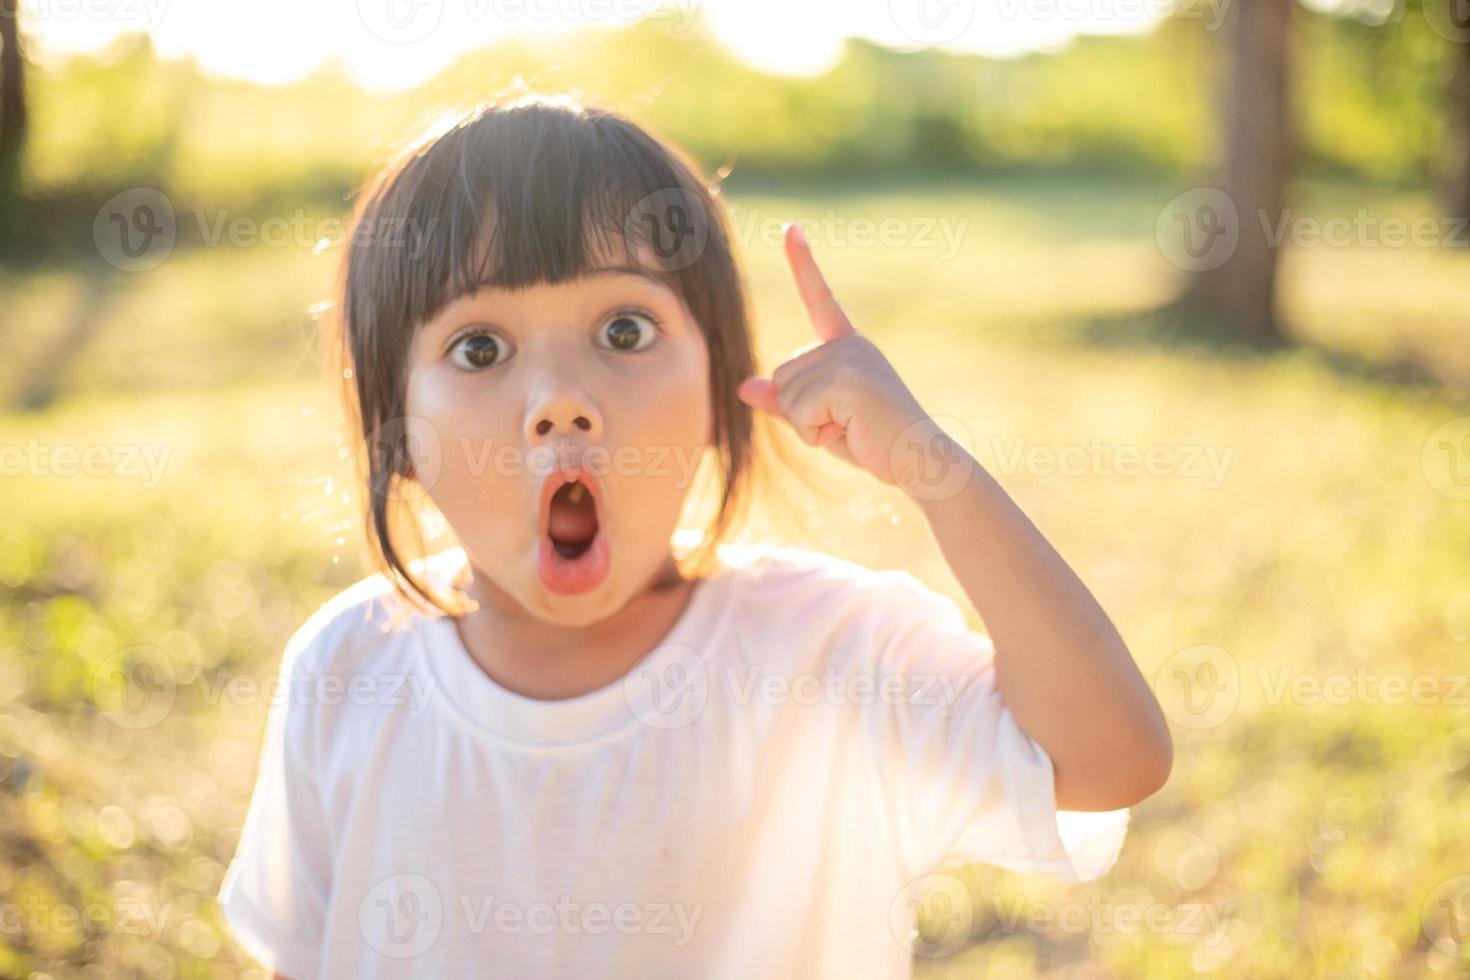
column 758, row 392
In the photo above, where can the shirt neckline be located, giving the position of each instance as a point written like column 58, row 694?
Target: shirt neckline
column 495, row 712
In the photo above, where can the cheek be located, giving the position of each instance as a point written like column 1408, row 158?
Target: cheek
column 467, row 475
column 677, row 402
column 663, row 427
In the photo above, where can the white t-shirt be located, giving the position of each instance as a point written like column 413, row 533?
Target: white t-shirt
column 766, row 794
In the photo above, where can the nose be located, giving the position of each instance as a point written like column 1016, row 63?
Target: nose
column 567, row 411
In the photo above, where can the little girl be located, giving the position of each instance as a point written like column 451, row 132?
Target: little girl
column 580, row 744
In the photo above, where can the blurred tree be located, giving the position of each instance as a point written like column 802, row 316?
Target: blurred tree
column 1460, row 106
column 1257, row 128
column 12, row 101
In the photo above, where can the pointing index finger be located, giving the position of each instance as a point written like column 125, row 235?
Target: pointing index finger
column 821, row 306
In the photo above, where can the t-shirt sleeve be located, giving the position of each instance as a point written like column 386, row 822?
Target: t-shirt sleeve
column 275, row 892
column 965, row 781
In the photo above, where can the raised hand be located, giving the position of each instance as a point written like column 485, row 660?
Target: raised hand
column 840, row 391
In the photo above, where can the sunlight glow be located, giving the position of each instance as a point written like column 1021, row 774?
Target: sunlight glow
column 394, row 44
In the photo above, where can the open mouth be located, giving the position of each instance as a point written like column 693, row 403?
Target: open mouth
column 574, row 555
column 572, row 520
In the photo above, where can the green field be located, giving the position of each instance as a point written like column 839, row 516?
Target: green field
column 1281, row 598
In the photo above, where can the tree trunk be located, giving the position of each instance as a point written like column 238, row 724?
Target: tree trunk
column 1241, row 292
column 1460, row 107
column 12, row 100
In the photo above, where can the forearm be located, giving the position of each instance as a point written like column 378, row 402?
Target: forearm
column 1063, row 669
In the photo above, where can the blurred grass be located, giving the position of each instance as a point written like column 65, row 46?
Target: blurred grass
column 1312, row 833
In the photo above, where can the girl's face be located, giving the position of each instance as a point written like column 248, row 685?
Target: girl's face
column 509, row 391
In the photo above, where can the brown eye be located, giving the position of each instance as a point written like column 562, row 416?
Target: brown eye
column 476, row 351
column 630, row 331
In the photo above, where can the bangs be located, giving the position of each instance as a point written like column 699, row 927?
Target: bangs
column 526, row 196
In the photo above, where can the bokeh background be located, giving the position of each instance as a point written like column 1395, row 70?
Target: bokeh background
column 1190, row 279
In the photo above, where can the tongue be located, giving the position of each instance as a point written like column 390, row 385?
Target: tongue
column 571, row 523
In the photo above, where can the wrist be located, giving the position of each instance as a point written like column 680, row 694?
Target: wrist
column 929, row 464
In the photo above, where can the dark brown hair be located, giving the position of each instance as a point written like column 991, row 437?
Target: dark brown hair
column 513, row 193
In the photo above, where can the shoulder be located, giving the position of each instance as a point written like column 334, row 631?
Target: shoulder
column 778, row 568
column 791, row 598
column 776, row 572
column 360, row 627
